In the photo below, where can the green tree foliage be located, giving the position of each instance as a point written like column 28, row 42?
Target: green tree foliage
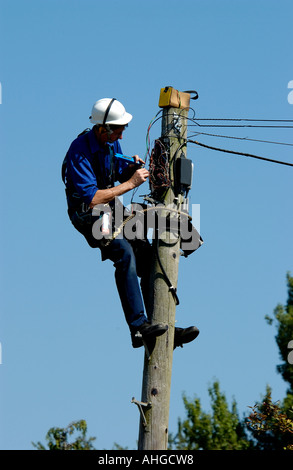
column 283, row 319
column 272, row 423
column 58, row 438
column 271, row 427
column 219, row 430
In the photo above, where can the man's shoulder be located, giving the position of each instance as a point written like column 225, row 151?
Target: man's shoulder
column 79, row 143
column 79, row 148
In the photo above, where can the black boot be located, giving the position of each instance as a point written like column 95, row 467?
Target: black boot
column 147, row 332
column 185, row 335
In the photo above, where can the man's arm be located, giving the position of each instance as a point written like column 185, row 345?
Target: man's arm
column 103, row 196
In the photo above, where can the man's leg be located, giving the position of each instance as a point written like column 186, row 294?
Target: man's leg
column 144, row 252
column 120, row 252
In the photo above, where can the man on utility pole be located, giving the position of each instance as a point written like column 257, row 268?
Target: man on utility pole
column 93, row 166
column 169, row 194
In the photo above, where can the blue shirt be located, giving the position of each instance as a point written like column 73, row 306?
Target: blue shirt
column 90, row 166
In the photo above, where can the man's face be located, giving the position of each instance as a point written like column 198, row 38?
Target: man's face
column 103, row 136
column 116, row 134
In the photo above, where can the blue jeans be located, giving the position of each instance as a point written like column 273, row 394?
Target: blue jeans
column 131, row 259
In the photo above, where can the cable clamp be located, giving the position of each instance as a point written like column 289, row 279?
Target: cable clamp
column 173, row 291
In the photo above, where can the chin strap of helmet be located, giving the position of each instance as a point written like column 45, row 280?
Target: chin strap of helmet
column 107, row 110
column 106, row 126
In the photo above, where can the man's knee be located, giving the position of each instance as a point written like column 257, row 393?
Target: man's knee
column 122, row 254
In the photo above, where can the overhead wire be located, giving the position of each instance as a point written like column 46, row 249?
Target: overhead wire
column 148, row 143
column 244, row 119
column 242, row 138
column 194, row 123
column 189, row 140
column 233, row 120
column 240, row 153
column 244, row 125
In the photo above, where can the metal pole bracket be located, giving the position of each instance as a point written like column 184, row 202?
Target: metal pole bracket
column 142, row 405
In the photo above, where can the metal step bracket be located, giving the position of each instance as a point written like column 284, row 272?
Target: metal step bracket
column 142, row 405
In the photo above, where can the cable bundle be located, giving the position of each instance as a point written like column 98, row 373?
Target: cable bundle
column 159, row 168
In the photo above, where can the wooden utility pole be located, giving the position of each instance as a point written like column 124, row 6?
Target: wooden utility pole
column 156, row 385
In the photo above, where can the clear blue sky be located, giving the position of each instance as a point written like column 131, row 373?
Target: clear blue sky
column 66, row 352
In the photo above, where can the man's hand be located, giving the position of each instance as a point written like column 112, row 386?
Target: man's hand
column 103, row 196
column 138, row 160
column 139, row 177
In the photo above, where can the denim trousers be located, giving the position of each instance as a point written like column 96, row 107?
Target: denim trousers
column 131, row 260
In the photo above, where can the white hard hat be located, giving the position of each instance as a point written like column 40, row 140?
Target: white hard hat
column 109, row 111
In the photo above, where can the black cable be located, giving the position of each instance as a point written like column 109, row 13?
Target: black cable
column 242, row 125
column 247, row 120
column 242, row 120
column 233, row 119
column 172, row 289
column 240, row 153
column 242, row 138
column 194, row 120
